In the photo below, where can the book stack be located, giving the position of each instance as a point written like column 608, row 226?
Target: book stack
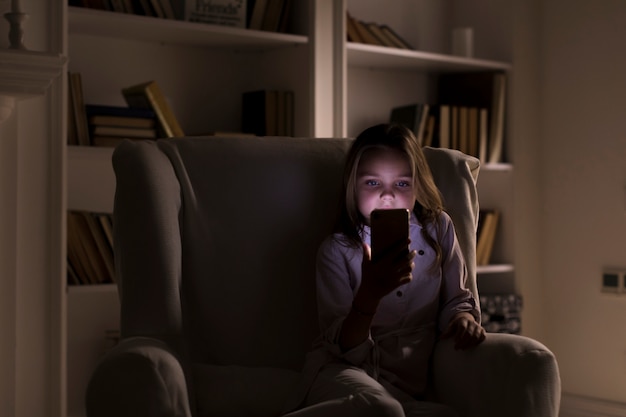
column 488, row 220
column 268, row 113
column 374, row 34
column 109, row 125
column 89, row 248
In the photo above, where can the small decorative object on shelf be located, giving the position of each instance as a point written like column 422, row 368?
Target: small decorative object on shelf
column 16, row 18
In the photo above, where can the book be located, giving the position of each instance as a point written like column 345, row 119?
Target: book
column 483, row 129
column 413, row 116
column 364, row 33
column 217, row 12
column 256, row 14
column 472, row 131
column 353, row 33
column 81, row 127
column 83, row 250
column 483, row 89
column 148, row 95
column 272, row 15
column 429, row 134
column 267, row 113
column 121, row 121
column 409, row 116
column 111, row 141
column 382, row 37
column 395, row 38
column 168, row 9
column 123, row 111
column 102, row 244
column 157, row 9
column 72, row 135
column 485, row 236
column 99, row 115
column 126, row 132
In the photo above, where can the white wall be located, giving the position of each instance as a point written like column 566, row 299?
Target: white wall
column 583, row 160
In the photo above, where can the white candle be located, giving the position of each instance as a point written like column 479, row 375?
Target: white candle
column 15, row 6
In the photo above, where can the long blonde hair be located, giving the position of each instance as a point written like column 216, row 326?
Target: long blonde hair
column 428, row 205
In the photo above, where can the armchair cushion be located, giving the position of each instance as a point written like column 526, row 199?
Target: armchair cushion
column 239, row 391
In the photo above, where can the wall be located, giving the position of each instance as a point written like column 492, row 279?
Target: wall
column 583, row 160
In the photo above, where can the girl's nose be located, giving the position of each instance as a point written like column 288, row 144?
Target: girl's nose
column 387, row 194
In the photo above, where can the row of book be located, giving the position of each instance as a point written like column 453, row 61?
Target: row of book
column 89, row 248
column 147, row 116
column 269, row 15
column 373, row 33
column 469, row 116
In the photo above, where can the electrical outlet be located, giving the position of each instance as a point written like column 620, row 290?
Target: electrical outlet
column 614, row 281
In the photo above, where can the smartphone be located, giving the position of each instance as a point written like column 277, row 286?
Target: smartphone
column 388, row 228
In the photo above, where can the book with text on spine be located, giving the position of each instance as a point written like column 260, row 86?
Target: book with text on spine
column 217, row 12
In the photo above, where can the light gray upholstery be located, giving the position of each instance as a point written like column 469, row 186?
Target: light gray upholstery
column 215, row 242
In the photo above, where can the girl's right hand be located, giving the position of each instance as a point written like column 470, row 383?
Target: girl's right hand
column 386, row 272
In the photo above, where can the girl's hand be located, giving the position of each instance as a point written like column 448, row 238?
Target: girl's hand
column 385, row 273
column 466, row 331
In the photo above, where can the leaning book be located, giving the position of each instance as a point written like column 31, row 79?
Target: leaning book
column 148, row 95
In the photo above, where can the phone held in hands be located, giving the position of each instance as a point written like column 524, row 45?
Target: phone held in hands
column 388, row 226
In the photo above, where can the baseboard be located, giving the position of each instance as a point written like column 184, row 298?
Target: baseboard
column 581, row 406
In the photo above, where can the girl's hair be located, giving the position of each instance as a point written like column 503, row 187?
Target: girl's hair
column 428, row 204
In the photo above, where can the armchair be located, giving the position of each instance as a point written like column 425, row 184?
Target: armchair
column 215, row 243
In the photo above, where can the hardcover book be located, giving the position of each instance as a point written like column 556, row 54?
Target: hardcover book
column 217, row 12
column 149, row 96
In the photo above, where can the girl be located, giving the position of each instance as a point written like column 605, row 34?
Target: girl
column 379, row 318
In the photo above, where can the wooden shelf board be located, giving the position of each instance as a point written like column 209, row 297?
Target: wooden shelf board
column 494, row 269
column 151, row 29
column 497, row 166
column 382, row 57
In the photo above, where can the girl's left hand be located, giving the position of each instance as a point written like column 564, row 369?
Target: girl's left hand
column 466, row 331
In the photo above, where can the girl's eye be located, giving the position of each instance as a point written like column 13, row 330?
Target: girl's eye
column 371, row 182
column 403, row 184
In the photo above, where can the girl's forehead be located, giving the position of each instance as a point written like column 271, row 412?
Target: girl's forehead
column 383, row 156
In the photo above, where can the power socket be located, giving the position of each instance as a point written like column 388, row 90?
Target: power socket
column 614, row 281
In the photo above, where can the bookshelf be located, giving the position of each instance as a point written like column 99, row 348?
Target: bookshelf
column 340, row 88
column 375, row 79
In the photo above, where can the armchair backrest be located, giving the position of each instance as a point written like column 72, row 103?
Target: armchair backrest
column 216, row 237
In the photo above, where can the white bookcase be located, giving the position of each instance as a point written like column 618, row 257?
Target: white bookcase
column 340, row 88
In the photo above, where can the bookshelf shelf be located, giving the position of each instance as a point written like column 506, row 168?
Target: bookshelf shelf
column 494, row 269
column 381, row 57
column 167, row 31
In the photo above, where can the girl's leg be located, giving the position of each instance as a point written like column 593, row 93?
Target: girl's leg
column 341, row 390
column 345, row 391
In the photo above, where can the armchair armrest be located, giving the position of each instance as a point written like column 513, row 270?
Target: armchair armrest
column 140, row 376
column 507, row 375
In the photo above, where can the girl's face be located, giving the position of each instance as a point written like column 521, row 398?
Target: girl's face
column 384, row 181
